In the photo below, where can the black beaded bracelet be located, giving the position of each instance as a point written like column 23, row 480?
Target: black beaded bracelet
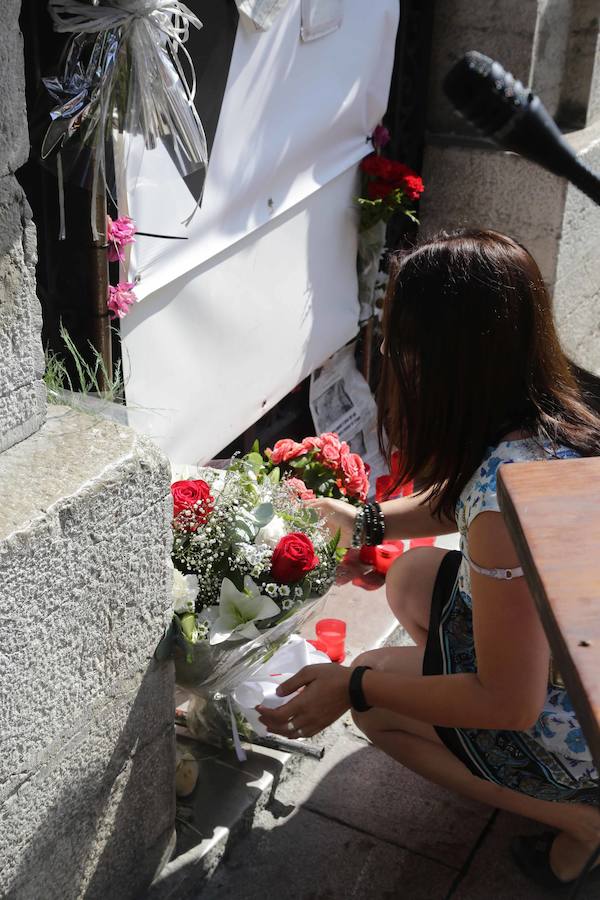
column 357, row 698
column 374, row 524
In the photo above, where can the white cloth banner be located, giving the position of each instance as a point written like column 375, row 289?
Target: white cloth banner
column 210, row 353
column 264, row 289
column 294, row 116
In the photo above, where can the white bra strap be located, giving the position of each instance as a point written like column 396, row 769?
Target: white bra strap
column 504, row 574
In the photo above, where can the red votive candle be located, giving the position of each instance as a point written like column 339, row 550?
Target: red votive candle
column 367, row 555
column 385, row 554
column 318, row 645
column 332, row 633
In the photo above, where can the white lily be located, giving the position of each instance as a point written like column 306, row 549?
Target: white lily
column 185, row 591
column 239, row 610
column 272, row 533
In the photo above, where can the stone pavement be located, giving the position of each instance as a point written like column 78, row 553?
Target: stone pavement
column 352, row 826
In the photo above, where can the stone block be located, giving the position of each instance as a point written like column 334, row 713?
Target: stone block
column 492, row 872
column 358, row 785
column 577, row 289
column 580, row 91
column 528, row 37
column 310, row 856
column 94, row 819
column 22, row 394
column 477, row 186
column 480, row 187
column 86, row 743
column 14, row 134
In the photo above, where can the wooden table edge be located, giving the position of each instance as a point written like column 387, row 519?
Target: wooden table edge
column 560, row 649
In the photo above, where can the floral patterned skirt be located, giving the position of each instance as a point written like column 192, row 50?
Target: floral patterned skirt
column 519, row 760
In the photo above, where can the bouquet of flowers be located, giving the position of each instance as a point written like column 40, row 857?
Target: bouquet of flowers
column 320, row 466
column 251, row 560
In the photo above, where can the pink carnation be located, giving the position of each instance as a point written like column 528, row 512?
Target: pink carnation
column 312, row 443
column 120, row 299
column 355, row 476
column 332, row 450
column 284, row 450
column 296, row 484
column 119, row 233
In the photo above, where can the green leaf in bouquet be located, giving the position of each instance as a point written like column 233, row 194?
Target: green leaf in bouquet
column 263, row 514
column 255, row 460
column 243, row 532
column 325, row 486
column 275, row 475
column 255, row 448
column 299, row 463
column 334, row 542
column 340, row 554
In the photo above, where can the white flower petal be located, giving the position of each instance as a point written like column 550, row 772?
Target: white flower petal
column 257, row 606
column 271, row 534
column 248, row 630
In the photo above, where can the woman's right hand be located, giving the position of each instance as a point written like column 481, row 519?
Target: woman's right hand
column 339, row 516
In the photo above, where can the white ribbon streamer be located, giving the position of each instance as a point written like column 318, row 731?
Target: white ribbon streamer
column 132, row 80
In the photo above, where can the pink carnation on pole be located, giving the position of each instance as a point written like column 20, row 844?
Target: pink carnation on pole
column 119, row 233
column 120, row 299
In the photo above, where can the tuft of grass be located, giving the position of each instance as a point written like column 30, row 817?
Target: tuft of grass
column 89, row 376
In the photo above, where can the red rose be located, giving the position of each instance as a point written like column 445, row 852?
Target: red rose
column 293, row 558
column 186, row 494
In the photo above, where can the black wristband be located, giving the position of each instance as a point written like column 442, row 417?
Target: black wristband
column 357, row 698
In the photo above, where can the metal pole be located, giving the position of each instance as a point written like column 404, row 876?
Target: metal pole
column 99, row 273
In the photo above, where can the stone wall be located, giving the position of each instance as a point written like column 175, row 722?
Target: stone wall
column 87, row 755
column 553, row 46
column 22, row 396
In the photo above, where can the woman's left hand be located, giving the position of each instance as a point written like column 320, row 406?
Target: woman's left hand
column 323, row 699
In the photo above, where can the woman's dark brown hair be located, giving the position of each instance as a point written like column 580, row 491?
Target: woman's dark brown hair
column 470, row 354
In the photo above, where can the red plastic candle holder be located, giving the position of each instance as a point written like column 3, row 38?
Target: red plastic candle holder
column 386, row 554
column 332, row 633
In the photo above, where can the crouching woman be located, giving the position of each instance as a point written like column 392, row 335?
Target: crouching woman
column 473, row 378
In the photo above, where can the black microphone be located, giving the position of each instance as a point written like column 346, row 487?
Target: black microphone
column 514, row 118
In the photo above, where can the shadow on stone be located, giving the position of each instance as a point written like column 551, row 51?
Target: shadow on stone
column 100, row 816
